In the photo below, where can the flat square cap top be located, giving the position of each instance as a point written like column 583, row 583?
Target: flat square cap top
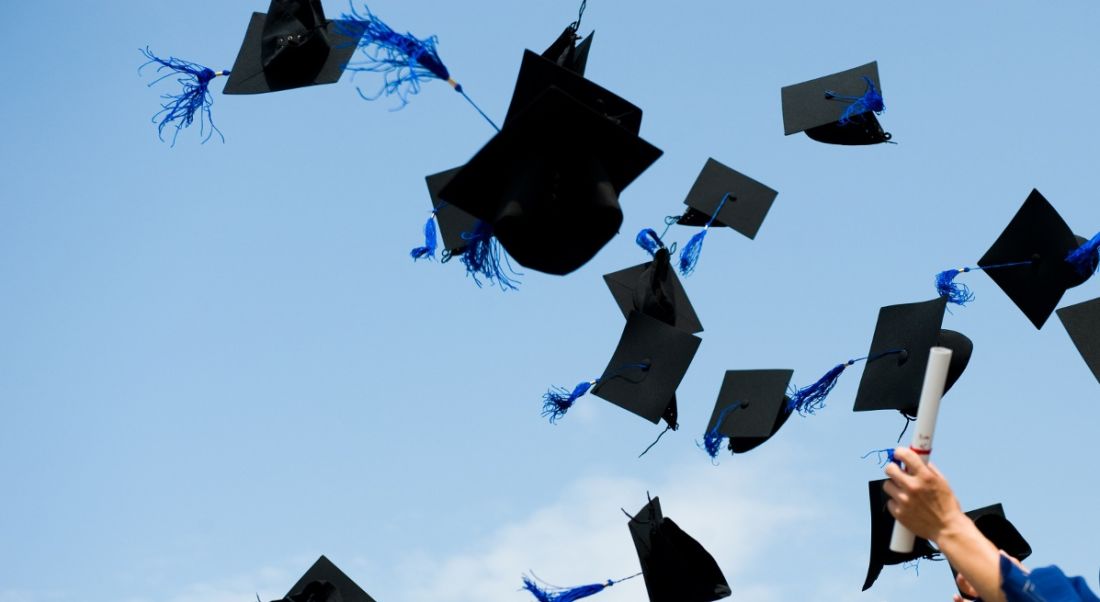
column 647, row 367
column 453, row 222
column 745, row 208
column 882, row 528
column 1039, row 236
column 754, row 405
column 325, row 582
column 292, row 46
column 806, row 106
column 1082, row 322
column 625, row 285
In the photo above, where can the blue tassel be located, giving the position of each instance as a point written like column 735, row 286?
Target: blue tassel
column 956, row 293
column 179, row 109
column 1087, row 257
column 870, row 101
column 483, row 255
column 561, row 594
column 812, row 398
column 648, row 240
column 689, row 257
column 557, row 401
column 403, row 59
column 880, row 454
column 712, row 441
column 430, row 241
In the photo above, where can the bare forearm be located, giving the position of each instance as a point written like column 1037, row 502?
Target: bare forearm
column 974, row 556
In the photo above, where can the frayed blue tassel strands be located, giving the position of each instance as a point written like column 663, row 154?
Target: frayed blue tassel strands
column 689, row 257
column 179, row 109
column 649, row 241
column 870, row 101
column 558, row 400
column 484, row 257
column 712, row 441
column 403, row 59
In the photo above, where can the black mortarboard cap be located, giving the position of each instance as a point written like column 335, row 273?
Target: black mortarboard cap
column 882, row 528
column 1039, row 235
column 744, row 211
column 549, row 182
column 898, row 357
column 325, row 582
column 676, row 568
column 292, row 46
column 538, row 74
column 565, row 52
column 654, row 284
column 647, row 367
column 993, row 524
column 1082, row 322
column 758, row 399
column 808, row 108
column 453, row 222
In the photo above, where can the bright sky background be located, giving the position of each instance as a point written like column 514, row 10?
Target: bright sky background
column 218, row 361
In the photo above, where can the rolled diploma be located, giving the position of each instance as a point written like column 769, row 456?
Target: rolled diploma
column 935, row 379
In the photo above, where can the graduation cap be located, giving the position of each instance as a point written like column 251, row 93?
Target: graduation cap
column 653, row 288
column 324, row 582
column 1030, row 259
column 993, row 524
column 838, row 108
column 882, row 528
column 721, row 197
column 675, row 566
column 548, row 184
column 898, row 356
column 642, row 376
column 1082, row 322
column 292, row 46
column 752, row 405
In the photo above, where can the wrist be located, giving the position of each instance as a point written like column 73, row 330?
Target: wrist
column 954, row 527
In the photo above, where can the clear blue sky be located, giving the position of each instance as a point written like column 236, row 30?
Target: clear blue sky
column 218, row 361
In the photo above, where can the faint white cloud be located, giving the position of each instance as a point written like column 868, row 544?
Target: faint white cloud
column 582, row 537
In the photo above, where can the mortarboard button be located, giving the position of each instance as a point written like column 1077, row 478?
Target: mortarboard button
column 549, row 182
column 744, row 211
column 898, row 357
column 324, row 582
column 1082, row 322
column 291, row 46
column 882, row 527
column 752, row 406
column 838, row 108
column 676, row 568
column 647, row 367
column 1040, row 238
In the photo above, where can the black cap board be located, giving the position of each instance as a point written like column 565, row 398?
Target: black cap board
column 1038, row 235
column 993, row 524
column 453, row 222
column 567, row 53
column 744, row 210
column 647, row 367
column 324, row 582
column 882, row 528
column 291, row 46
column 676, row 568
column 758, row 399
column 898, row 356
column 654, row 284
column 549, row 182
column 1082, row 322
column 818, row 106
column 538, row 74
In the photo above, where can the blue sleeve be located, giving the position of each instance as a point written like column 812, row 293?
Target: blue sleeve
column 1048, row 584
